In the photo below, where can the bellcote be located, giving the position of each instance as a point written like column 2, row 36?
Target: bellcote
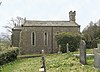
column 72, row 15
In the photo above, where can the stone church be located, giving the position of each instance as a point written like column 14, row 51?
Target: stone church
column 34, row 35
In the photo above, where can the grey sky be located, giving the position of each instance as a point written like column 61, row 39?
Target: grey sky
column 86, row 10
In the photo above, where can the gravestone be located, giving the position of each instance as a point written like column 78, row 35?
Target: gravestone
column 67, row 47
column 97, row 56
column 82, row 52
column 59, row 51
column 43, row 68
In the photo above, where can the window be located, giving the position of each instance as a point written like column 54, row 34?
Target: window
column 45, row 38
column 33, row 37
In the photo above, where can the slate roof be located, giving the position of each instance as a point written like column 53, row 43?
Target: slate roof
column 49, row 23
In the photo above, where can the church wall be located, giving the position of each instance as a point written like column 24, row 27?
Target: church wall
column 15, row 38
column 62, row 29
column 26, row 33
column 26, row 44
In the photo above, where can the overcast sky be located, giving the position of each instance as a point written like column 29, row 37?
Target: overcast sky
column 86, row 10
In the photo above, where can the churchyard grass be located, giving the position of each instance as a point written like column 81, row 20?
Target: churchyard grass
column 22, row 65
column 54, row 63
column 88, row 51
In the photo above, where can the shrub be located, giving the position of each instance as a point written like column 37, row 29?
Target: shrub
column 72, row 39
column 8, row 55
column 92, row 44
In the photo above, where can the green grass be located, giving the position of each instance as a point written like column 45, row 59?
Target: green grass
column 88, row 51
column 23, row 65
column 68, row 63
column 54, row 63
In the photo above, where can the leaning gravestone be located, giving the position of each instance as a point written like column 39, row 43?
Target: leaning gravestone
column 82, row 52
column 43, row 68
column 97, row 56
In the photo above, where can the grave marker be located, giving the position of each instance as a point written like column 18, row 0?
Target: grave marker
column 82, row 52
column 67, row 45
column 97, row 56
column 59, row 51
column 43, row 68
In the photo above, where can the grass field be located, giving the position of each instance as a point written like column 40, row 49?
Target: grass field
column 54, row 63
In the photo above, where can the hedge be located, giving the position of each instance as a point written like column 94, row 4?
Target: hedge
column 8, row 55
column 73, row 39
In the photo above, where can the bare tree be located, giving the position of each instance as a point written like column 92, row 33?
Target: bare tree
column 0, row 3
column 12, row 23
column 6, row 36
column 4, row 40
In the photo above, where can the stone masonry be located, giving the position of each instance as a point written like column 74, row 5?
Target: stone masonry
column 42, row 34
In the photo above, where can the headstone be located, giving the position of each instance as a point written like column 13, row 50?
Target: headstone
column 82, row 52
column 59, row 51
column 43, row 68
column 67, row 47
column 97, row 56
column 98, row 45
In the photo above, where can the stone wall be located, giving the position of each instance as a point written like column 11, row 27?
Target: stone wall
column 62, row 29
column 16, row 37
column 26, row 39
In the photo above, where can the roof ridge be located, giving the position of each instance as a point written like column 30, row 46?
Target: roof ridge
column 47, row 21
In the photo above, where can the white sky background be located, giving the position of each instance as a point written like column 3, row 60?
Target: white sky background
column 86, row 10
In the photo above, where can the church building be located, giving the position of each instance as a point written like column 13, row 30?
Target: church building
column 34, row 35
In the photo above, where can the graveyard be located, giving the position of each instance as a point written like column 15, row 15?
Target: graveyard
column 49, row 36
column 72, row 56
column 65, row 62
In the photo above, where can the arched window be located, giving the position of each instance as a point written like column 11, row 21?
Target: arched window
column 33, row 37
column 45, row 38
